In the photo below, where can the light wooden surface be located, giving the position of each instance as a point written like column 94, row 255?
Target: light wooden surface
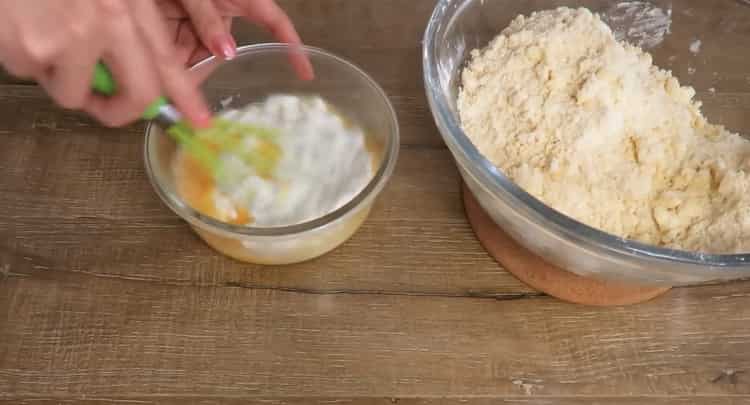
column 107, row 298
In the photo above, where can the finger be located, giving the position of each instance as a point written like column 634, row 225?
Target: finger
column 30, row 41
column 210, row 27
column 199, row 73
column 135, row 73
column 17, row 64
column 171, row 9
column 68, row 81
column 268, row 14
column 14, row 58
column 174, row 79
column 192, row 52
column 29, row 57
column 200, row 52
column 185, row 41
column 228, row 21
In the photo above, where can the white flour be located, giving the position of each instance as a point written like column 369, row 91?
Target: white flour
column 589, row 125
column 324, row 164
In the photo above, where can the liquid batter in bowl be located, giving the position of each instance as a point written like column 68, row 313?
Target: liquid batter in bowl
column 325, row 162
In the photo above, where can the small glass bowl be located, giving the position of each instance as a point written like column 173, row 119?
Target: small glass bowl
column 257, row 72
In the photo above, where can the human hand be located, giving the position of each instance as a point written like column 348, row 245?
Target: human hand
column 191, row 48
column 202, row 28
column 58, row 43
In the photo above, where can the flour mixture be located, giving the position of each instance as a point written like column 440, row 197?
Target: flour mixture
column 325, row 162
column 588, row 125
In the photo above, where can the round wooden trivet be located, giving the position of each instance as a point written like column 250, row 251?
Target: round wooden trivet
column 544, row 277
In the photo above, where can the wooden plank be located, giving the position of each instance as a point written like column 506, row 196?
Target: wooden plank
column 7, row 78
column 383, row 37
column 386, row 24
column 106, row 297
column 98, row 337
column 580, row 400
column 76, row 199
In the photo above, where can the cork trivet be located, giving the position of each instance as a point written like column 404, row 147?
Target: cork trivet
column 544, row 277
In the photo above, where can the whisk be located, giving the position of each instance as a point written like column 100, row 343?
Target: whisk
column 209, row 144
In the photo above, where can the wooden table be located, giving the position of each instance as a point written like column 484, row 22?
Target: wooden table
column 107, row 297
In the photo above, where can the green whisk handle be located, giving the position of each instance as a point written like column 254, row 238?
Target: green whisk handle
column 105, row 84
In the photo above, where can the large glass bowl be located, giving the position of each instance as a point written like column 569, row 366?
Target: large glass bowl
column 701, row 41
column 257, row 72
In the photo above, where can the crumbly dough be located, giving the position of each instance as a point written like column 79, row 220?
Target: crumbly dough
column 591, row 127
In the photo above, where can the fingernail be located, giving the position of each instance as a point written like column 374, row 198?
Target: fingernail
column 202, row 121
column 225, row 47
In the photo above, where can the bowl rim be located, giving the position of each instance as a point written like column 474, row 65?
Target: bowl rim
column 500, row 186
column 371, row 190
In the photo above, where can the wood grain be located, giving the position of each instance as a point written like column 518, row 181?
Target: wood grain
column 580, row 400
column 77, row 199
column 98, row 337
column 7, row 78
column 106, row 297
